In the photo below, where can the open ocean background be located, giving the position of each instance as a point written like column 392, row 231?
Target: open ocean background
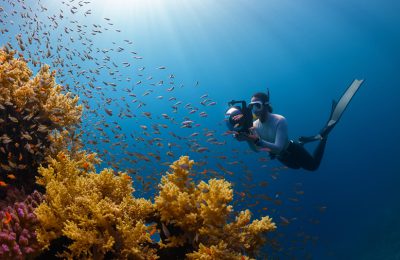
column 307, row 53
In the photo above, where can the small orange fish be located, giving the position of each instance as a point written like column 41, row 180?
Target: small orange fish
column 201, row 149
column 152, row 231
column 127, row 177
column 11, row 176
column 284, row 220
column 241, row 194
column 323, row 208
column 108, row 111
column 3, row 184
column 85, row 165
column 147, row 114
column 62, row 156
column 8, row 218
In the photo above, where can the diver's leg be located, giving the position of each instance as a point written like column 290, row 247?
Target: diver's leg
column 323, row 134
column 289, row 157
column 303, row 157
column 299, row 156
column 318, row 154
column 336, row 113
column 290, row 163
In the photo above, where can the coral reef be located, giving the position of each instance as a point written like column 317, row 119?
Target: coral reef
column 18, row 224
column 38, row 95
column 202, row 212
column 91, row 215
column 12, row 195
column 219, row 251
column 96, row 211
column 98, row 215
column 31, row 111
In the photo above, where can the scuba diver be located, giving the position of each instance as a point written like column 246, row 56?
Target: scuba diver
column 270, row 131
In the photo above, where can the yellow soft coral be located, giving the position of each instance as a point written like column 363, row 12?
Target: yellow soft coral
column 213, row 198
column 96, row 211
column 99, row 215
column 202, row 213
column 219, row 251
column 34, row 115
column 14, row 73
column 38, row 95
column 68, row 141
column 176, row 195
column 245, row 235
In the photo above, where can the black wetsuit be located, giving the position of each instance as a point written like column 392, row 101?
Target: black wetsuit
column 296, row 156
column 273, row 135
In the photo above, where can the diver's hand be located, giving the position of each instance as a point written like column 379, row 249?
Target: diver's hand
column 253, row 136
column 241, row 136
column 238, row 136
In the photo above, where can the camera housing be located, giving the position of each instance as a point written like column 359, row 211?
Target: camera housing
column 238, row 118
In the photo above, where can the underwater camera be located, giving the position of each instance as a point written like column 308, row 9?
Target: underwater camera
column 237, row 118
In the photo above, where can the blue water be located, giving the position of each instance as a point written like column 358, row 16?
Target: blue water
column 306, row 53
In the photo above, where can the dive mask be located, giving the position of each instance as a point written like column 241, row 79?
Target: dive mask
column 256, row 106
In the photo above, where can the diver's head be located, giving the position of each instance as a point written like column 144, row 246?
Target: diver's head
column 260, row 105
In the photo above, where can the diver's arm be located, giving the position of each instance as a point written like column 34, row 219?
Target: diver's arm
column 246, row 137
column 280, row 139
column 250, row 139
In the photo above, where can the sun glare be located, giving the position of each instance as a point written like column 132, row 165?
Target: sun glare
column 124, row 4
column 143, row 7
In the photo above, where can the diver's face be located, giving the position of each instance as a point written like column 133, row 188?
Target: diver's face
column 257, row 106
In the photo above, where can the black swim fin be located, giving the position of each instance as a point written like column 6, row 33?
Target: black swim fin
column 336, row 113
